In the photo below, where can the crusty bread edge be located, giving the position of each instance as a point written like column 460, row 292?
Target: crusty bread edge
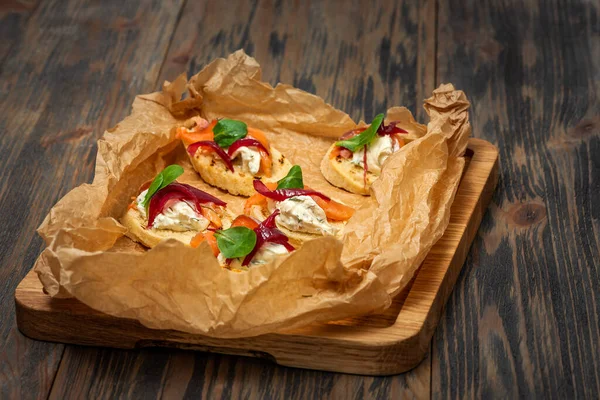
column 337, row 178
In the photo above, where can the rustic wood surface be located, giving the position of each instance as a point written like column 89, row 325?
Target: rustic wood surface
column 523, row 318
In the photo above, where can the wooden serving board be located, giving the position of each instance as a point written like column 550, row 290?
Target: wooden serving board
column 384, row 344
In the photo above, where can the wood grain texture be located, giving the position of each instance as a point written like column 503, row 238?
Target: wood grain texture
column 362, row 57
column 174, row 374
column 70, row 71
column 523, row 320
column 13, row 17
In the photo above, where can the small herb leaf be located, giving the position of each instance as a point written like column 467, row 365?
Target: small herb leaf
column 364, row 138
column 164, row 178
column 236, row 242
column 293, row 179
column 228, row 131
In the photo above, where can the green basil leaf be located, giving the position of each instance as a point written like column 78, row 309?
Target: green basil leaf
column 228, row 131
column 293, row 179
column 236, row 242
column 364, row 138
column 164, row 178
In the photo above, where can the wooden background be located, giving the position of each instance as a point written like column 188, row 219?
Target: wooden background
column 523, row 319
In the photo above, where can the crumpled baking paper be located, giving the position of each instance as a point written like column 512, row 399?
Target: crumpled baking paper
column 176, row 287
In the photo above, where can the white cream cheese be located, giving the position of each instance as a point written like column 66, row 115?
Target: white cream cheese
column 179, row 217
column 268, row 252
column 303, row 214
column 377, row 152
column 250, row 159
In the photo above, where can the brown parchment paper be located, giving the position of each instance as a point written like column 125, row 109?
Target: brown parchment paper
column 176, row 287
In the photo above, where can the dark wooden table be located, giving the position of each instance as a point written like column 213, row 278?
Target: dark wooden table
column 523, row 319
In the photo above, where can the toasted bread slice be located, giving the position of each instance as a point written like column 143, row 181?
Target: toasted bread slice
column 341, row 172
column 239, row 182
column 296, row 238
column 137, row 231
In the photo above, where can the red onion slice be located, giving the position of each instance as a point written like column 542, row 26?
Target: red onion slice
column 245, row 142
column 282, row 194
column 192, row 148
column 270, row 221
column 175, row 192
column 266, row 232
column 203, row 197
column 390, row 129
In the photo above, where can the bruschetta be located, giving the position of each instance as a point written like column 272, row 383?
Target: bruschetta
column 303, row 214
column 229, row 154
column 165, row 208
column 354, row 162
column 247, row 243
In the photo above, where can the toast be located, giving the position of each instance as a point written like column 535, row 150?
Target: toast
column 296, row 238
column 224, row 162
column 137, row 231
column 342, row 173
column 167, row 209
column 355, row 161
column 239, row 182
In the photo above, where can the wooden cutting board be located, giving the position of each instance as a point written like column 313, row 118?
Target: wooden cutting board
column 384, row 344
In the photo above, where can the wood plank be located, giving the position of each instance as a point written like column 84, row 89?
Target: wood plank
column 361, row 57
column 361, row 68
column 178, row 374
column 160, row 373
column 523, row 320
column 13, row 18
column 72, row 71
